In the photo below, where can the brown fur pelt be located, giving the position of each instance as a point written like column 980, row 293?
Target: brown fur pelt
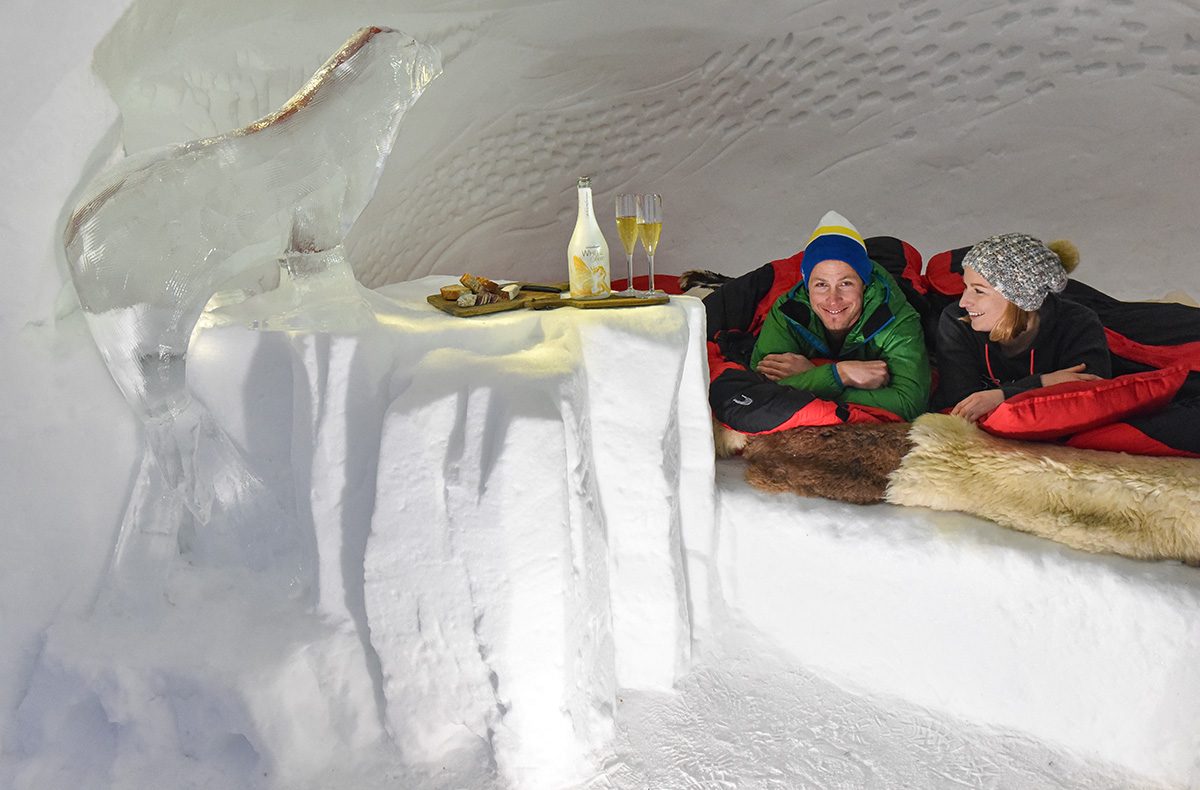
column 846, row 463
column 1137, row 506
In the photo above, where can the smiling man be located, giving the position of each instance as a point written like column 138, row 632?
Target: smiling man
column 845, row 331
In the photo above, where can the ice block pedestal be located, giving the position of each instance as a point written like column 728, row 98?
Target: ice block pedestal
column 525, row 557
column 496, row 504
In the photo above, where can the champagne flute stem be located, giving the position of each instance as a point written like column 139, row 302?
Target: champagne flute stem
column 629, row 261
column 650, row 285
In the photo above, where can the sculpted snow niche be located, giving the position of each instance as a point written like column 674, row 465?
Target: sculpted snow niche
column 157, row 236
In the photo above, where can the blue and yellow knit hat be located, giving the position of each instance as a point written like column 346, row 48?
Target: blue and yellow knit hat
column 835, row 239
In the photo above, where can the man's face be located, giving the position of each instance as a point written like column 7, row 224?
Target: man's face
column 835, row 291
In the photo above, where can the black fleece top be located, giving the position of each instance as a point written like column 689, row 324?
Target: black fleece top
column 967, row 361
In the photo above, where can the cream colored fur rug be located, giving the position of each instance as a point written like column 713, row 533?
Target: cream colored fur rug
column 1138, row 506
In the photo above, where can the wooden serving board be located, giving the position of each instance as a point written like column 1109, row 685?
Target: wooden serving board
column 523, row 298
column 540, row 302
column 451, row 307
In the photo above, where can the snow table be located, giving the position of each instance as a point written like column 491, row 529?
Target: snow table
column 499, row 503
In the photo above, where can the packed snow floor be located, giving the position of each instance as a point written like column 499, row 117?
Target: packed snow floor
column 746, row 718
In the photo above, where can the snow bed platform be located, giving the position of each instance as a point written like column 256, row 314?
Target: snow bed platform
column 1096, row 653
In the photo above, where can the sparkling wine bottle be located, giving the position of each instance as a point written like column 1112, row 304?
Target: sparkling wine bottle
column 587, row 254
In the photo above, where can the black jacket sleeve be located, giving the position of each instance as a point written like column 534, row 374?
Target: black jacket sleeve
column 1075, row 336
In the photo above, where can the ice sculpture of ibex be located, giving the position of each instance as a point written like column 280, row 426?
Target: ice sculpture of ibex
column 156, row 236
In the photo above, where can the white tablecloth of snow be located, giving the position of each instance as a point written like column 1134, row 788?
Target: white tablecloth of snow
column 525, row 478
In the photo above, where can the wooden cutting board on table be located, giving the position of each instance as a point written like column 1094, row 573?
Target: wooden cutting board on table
column 614, row 300
column 523, row 298
column 545, row 298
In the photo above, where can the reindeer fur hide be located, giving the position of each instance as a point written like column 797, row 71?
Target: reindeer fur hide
column 1137, row 506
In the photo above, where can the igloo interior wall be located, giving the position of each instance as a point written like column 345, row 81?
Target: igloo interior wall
column 939, row 123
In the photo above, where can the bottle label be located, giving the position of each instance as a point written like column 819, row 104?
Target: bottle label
column 589, row 273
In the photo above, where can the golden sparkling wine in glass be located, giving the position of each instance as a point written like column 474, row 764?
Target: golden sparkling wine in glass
column 627, row 229
column 649, row 227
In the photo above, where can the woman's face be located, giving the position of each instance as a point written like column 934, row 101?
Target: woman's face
column 983, row 303
column 835, row 291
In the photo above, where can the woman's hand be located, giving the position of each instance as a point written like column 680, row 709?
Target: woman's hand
column 780, row 366
column 1073, row 373
column 978, row 405
column 864, row 374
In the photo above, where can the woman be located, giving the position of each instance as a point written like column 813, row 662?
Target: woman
column 1011, row 331
column 846, row 332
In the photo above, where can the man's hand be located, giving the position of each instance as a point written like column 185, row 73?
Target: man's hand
column 780, row 366
column 864, row 375
column 1073, row 373
column 978, row 405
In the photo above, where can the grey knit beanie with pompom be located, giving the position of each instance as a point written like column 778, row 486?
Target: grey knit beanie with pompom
column 1021, row 268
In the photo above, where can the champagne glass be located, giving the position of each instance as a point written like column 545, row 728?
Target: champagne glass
column 628, row 231
column 649, row 226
